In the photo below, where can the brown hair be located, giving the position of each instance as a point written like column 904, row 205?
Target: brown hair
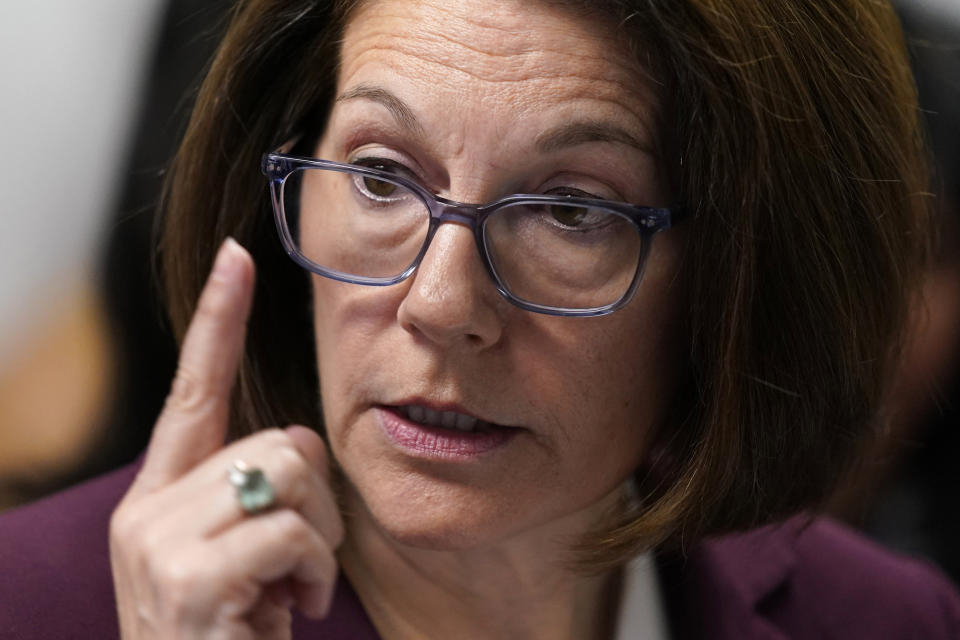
column 792, row 139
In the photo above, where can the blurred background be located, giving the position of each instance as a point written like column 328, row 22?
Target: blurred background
column 95, row 96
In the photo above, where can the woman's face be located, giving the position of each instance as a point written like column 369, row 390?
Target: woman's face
column 464, row 95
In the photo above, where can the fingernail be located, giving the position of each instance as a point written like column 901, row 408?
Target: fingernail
column 225, row 264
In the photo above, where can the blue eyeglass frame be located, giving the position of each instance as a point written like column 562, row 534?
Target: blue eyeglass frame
column 648, row 221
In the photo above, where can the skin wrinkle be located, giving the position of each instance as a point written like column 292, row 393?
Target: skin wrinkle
column 397, row 107
column 625, row 181
column 542, row 76
column 467, row 73
column 592, row 89
column 588, row 91
column 568, row 135
column 385, row 41
column 442, row 30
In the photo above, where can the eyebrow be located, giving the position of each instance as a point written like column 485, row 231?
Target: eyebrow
column 560, row 137
column 576, row 133
column 400, row 110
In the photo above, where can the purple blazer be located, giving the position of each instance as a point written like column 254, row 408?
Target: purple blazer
column 774, row 583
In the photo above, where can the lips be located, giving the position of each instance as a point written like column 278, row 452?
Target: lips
column 444, row 415
column 436, row 441
column 444, row 419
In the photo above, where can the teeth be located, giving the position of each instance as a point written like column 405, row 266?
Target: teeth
column 446, row 419
column 415, row 413
column 465, row 423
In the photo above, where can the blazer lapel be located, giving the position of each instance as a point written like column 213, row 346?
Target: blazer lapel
column 718, row 591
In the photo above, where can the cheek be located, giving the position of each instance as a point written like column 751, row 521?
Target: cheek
column 349, row 321
column 624, row 399
column 604, row 422
column 609, row 382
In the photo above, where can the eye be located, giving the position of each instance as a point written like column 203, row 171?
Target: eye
column 569, row 216
column 380, row 189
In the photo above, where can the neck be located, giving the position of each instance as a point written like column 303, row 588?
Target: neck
column 515, row 589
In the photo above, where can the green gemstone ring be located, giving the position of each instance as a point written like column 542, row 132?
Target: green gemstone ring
column 254, row 491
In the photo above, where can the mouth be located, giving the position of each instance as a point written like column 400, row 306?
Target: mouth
column 453, row 420
column 445, row 431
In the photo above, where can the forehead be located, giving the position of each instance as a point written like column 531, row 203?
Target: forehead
column 516, row 54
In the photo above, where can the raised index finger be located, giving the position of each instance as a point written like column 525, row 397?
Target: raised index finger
column 194, row 420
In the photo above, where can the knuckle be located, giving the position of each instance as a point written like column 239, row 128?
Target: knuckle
column 291, row 474
column 186, row 583
column 123, row 525
column 129, row 527
column 234, row 597
column 291, row 463
column 141, row 544
column 289, row 456
column 265, row 442
column 193, row 583
column 274, row 438
column 299, row 484
column 151, row 544
column 290, row 528
column 176, row 576
column 189, row 392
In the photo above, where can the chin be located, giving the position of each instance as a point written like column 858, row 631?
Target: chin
column 442, row 527
column 439, row 518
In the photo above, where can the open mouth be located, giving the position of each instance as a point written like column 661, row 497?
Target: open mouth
column 449, row 420
column 444, row 434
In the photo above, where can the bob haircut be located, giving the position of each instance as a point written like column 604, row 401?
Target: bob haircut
column 790, row 133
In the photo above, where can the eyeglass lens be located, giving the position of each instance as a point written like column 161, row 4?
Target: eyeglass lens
column 555, row 255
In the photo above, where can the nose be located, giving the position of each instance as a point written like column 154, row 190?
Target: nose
column 451, row 300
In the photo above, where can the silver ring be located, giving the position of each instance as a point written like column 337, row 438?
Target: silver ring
column 254, row 491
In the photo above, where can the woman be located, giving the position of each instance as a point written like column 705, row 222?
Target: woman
column 522, row 401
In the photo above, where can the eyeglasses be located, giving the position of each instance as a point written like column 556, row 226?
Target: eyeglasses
column 554, row 254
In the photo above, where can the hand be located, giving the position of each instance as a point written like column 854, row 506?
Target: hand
column 187, row 561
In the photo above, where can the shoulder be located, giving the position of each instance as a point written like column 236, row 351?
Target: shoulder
column 55, row 563
column 816, row 579
column 901, row 597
